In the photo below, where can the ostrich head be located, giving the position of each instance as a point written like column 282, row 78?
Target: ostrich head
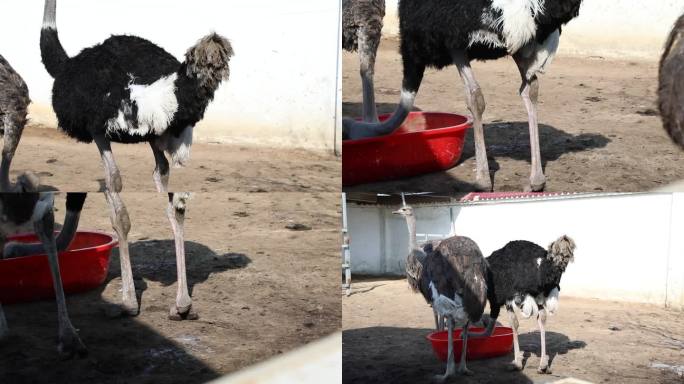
column 561, row 251
column 208, row 60
column 405, row 211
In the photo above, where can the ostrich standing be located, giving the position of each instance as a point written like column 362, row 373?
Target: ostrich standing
column 14, row 101
column 671, row 83
column 362, row 30
column 17, row 209
column 525, row 275
column 437, row 33
column 129, row 90
column 453, row 279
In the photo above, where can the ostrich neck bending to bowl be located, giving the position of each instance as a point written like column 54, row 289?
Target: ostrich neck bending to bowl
column 130, row 90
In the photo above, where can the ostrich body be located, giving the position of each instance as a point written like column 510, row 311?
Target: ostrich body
column 453, row 279
column 129, row 90
column 14, row 101
column 671, row 84
column 17, row 209
column 437, row 33
column 525, row 275
column 362, row 22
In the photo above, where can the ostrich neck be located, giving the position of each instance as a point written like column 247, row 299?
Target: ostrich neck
column 49, row 14
column 411, row 223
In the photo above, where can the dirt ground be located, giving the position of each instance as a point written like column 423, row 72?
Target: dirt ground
column 385, row 324
column 66, row 165
column 260, row 290
column 599, row 128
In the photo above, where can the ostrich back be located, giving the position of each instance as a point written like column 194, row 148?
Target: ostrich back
column 521, row 268
column 458, row 267
column 671, row 84
column 358, row 14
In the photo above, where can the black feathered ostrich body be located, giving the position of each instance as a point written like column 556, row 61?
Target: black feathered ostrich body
column 438, row 33
column 451, row 276
column 129, row 90
column 525, row 275
column 671, row 84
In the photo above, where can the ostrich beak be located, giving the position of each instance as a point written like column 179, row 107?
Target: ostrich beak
column 397, row 212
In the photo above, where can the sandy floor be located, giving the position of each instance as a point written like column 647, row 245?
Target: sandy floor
column 260, row 290
column 385, row 325
column 66, row 165
column 598, row 125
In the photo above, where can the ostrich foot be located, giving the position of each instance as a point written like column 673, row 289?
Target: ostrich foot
column 483, row 182
column 465, row 371
column 544, row 366
column 70, row 344
column 130, row 306
column 515, row 365
column 537, row 184
column 177, row 314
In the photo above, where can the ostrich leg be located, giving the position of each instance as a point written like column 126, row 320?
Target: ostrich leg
column 182, row 309
column 476, row 105
column 4, row 329
column 13, row 128
column 120, row 222
column 451, row 362
column 517, row 360
column 43, row 223
column 161, row 169
column 462, row 369
column 544, row 362
column 368, row 48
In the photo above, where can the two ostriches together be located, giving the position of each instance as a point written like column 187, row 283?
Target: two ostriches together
column 125, row 90
column 455, row 278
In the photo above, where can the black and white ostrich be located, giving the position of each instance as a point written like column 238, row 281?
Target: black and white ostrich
column 18, row 209
column 527, row 276
column 453, row 279
column 362, row 22
column 671, row 83
column 437, row 33
column 130, row 90
column 14, row 102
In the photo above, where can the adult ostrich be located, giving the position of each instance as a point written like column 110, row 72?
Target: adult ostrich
column 525, row 275
column 17, row 209
column 129, row 90
column 671, row 83
column 14, row 101
column 437, row 33
column 453, row 279
column 362, row 30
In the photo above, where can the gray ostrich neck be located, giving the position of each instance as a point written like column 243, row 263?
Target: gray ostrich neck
column 411, row 223
column 50, row 14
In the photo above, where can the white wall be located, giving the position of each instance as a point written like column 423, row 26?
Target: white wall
column 609, row 28
column 283, row 76
column 629, row 248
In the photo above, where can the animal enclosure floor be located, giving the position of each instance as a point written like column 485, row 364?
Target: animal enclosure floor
column 599, row 128
column 260, row 290
column 385, row 324
column 66, row 165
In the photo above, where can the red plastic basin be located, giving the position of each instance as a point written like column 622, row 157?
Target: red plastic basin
column 426, row 142
column 83, row 267
column 498, row 344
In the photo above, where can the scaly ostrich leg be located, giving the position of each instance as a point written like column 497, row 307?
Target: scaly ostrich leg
column 368, row 48
column 43, row 223
column 476, row 104
column 544, row 361
column 182, row 309
column 462, row 369
column 451, row 362
column 517, row 360
column 120, row 222
column 161, row 169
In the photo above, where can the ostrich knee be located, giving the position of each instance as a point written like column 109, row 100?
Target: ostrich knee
column 176, row 214
column 121, row 224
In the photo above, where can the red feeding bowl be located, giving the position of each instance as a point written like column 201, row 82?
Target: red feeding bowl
column 498, row 344
column 83, row 267
column 426, row 142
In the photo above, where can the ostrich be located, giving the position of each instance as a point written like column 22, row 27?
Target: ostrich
column 17, row 209
column 362, row 29
column 14, row 101
column 525, row 275
column 453, row 279
column 437, row 33
column 129, row 90
column 671, row 84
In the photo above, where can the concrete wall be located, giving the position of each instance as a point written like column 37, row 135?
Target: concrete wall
column 282, row 90
column 609, row 28
column 630, row 247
